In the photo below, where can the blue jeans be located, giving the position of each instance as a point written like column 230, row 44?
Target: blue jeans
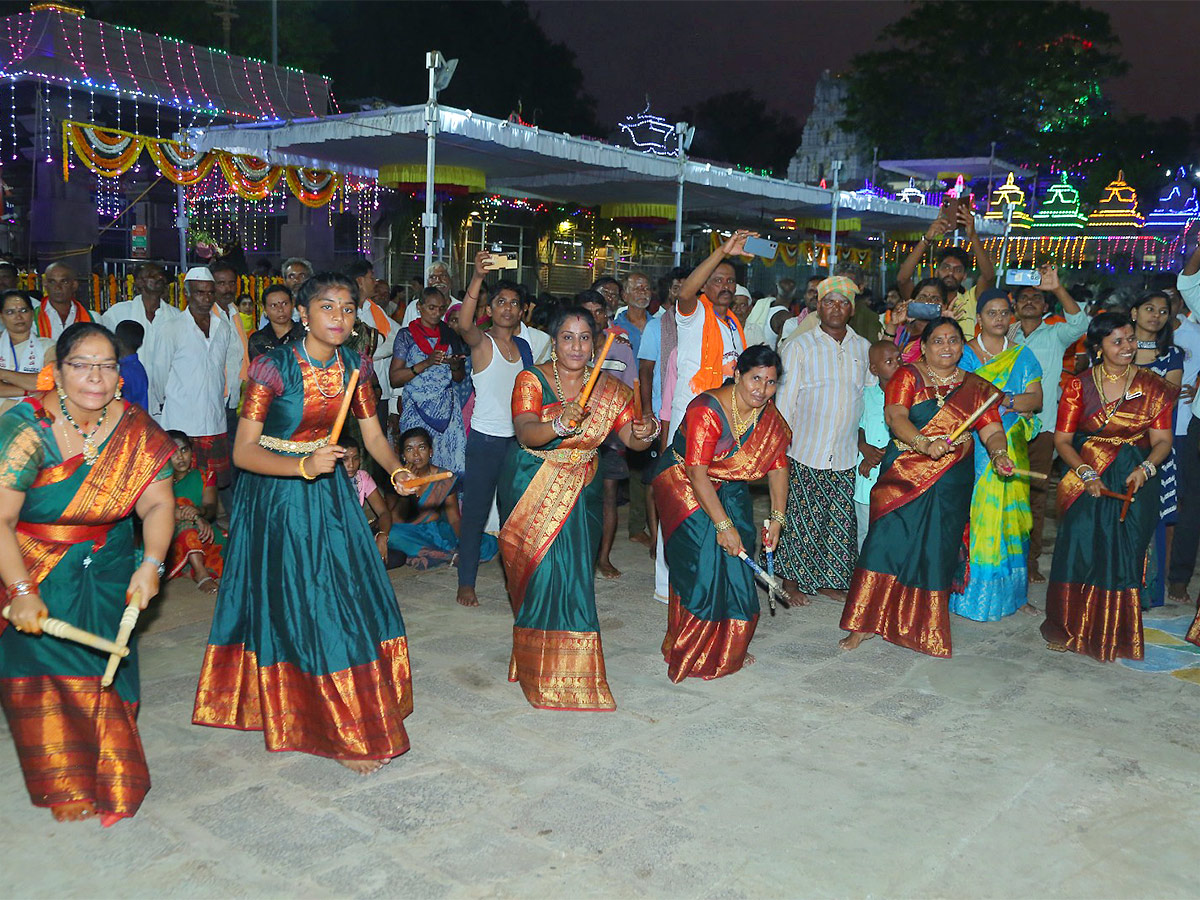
column 485, row 455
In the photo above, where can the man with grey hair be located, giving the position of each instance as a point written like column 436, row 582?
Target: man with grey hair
column 295, row 272
column 59, row 308
column 187, row 373
column 637, row 293
column 438, row 276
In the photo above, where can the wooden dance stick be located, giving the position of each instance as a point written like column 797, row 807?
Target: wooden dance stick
column 1026, row 473
column 67, row 632
column 427, row 479
column 971, row 419
column 1128, row 498
column 598, row 364
column 637, row 400
column 336, row 431
column 770, row 582
column 128, row 622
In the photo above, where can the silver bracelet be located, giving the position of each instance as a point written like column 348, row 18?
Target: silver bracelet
column 657, row 429
column 1149, row 468
column 560, row 427
column 158, row 563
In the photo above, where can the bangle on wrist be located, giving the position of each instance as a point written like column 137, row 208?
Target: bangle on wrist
column 778, row 516
column 1149, row 468
column 20, row 589
column 723, row 525
column 393, row 473
column 156, row 562
column 303, row 473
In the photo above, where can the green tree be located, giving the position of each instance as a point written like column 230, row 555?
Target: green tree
column 738, row 127
column 952, row 77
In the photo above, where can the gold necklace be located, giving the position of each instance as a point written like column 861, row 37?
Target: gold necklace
column 939, row 383
column 740, row 427
column 319, row 373
column 90, row 450
column 1114, row 377
column 562, row 397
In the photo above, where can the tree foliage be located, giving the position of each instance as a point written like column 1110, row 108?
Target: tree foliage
column 953, row 77
column 738, row 127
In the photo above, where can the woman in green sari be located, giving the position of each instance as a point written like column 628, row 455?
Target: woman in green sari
column 551, row 503
column 729, row 437
column 922, row 500
column 74, row 468
column 993, row 581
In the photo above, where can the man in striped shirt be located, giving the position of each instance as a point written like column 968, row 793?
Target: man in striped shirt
column 825, row 373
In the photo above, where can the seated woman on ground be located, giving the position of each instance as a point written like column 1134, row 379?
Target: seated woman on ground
column 198, row 546
column 430, row 537
column 375, row 507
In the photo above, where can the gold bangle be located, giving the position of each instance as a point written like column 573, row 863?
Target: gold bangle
column 777, row 516
column 304, row 474
column 724, row 525
column 392, row 476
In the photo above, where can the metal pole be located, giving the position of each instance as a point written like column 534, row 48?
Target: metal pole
column 677, row 246
column 429, row 218
column 274, row 32
column 181, row 222
column 833, row 202
column 991, row 166
column 1001, row 270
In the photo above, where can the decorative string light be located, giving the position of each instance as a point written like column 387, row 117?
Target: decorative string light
column 1118, row 207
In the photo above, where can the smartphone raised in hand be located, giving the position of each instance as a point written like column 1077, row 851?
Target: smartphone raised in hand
column 762, row 247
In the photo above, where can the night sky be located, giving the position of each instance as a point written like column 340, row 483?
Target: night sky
column 681, row 52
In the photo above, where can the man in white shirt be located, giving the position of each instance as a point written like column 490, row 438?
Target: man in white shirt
column 438, row 276
column 237, row 359
column 370, row 313
column 59, row 309
column 825, row 372
column 1186, row 540
column 188, row 377
column 148, row 308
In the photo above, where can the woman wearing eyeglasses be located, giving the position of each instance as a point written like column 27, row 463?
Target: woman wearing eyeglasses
column 77, row 460
column 22, row 353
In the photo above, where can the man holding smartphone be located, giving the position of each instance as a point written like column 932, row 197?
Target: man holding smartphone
column 952, row 264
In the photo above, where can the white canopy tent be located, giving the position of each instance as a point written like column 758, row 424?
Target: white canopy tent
column 525, row 161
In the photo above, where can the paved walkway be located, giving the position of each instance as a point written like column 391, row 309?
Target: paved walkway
column 1007, row 771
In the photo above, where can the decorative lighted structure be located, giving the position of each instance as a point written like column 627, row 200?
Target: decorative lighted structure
column 1117, row 210
column 1059, row 212
column 1009, row 194
column 1177, row 204
column 648, row 132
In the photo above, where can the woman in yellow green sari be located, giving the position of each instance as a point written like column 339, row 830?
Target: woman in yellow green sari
column 993, row 580
column 551, row 506
column 75, row 467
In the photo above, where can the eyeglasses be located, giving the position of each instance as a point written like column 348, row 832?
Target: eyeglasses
column 82, row 368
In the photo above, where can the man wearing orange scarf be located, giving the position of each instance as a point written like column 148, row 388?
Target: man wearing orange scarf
column 60, row 308
column 710, row 339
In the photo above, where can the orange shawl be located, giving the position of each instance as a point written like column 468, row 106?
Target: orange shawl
column 712, row 350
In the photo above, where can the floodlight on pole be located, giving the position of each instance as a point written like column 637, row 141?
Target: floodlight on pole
column 441, row 71
column 683, row 134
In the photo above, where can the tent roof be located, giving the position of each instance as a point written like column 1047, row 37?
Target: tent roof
column 521, row 160
column 951, row 167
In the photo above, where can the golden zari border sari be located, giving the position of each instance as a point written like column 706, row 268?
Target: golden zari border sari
column 77, row 742
column 1093, row 602
column 919, row 511
column 714, row 605
column 550, row 502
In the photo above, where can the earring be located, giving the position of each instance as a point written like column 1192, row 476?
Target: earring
column 62, row 395
column 117, row 395
column 553, row 355
column 306, row 328
column 353, row 333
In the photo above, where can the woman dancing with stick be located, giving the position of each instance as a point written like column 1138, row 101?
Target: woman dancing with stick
column 922, row 500
column 1114, row 431
column 74, row 467
column 307, row 642
column 550, row 502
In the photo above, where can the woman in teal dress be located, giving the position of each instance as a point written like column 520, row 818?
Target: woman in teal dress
column 993, row 580
column 729, row 437
column 74, row 469
column 551, row 503
column 307, row 642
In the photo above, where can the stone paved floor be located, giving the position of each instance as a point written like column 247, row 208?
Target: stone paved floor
column 1007, row 771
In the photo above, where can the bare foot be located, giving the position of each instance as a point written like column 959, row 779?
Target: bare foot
column 208, row 585
column 851, row 641
column 466, row 596
column 1030, row 610
column 1036, row 577
column 608, row 570
column 363, row 766
column 73, row 811
column 795, row 598
column 833, row 594
column 749, row 660
column 1177, row 593
column 642, row 538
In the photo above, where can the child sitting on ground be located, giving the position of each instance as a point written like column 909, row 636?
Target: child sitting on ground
column 430, row 538
column 873, row 434
column 379, row 516
column 197, row 545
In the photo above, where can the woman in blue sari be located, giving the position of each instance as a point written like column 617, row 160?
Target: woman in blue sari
column 993, row 579
column 429, row 364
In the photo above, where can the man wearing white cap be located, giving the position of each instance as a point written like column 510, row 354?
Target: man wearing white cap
column 188, row 377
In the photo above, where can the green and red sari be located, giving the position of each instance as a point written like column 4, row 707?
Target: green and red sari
column 550, row 503
column 713, row 599
column 76, row 741
column 1093, row 603
column 919, row 511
